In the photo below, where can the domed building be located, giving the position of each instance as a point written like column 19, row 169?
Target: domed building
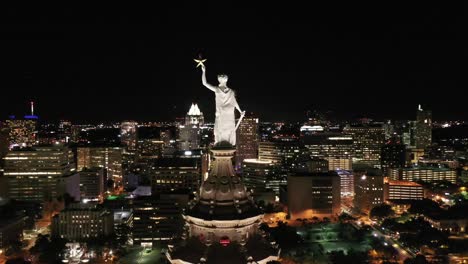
column 222, row 222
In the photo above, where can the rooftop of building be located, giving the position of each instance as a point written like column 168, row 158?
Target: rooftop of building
column 314, row 174
column 258, row 161
column 404, row 183
column 175, row 163
column 425, row 168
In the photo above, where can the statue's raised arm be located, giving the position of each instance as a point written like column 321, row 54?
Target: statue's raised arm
column 205, row 83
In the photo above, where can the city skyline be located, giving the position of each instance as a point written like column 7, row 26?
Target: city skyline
column 125, row 65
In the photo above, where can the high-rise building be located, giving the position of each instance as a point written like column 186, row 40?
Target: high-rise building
column 368, row 141
column 92, row 184
column 393, row 155
column 81, row 222
column 259, row 175
column 315, row 164
column 128, row 134
column 346, row 182
column 329, row 145
column 22, row 132
column 189, row 133
column 403, row 190
column 189, row 137
column 156, row 219
column 285, row 153
column 368, row 189
column 148, row 149
column 314, row 194
column 65, row 131
column 40, row 173
column 109, row 158
column 426, row 174
column 423, row 129
column 247, row 139
column 194, row 116
column 175, row 174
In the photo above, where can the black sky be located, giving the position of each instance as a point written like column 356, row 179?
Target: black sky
column 89, row 64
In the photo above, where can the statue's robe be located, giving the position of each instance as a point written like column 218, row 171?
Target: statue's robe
column 225, row 123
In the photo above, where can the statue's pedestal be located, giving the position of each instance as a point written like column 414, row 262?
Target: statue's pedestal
column 223, row 153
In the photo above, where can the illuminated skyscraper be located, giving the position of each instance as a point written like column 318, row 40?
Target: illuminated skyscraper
column 109, row 158
column 247, row 139
column 128, row 133
column 337, row 148
column 22, row 132
column 261, row 174
column 368, row 141
column 423, row 129
column 189, row 133
column 194, row 116
column 65, row 131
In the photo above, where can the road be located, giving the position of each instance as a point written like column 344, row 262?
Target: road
column 403, row 253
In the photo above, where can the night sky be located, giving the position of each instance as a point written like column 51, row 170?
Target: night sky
column 136, row 63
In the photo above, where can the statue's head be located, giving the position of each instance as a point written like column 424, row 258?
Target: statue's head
column 222, row 78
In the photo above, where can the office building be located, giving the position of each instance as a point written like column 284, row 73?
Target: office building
column 189, row 137
column 403, row 190
column 423, row 128
column 128, row 134
column 81, row 222
column 109, row 158
column 259, row 175
column 123, row 224
column 92, row 184
column 157, row 219
column 285, row 152
column 367, row 143
column 148, row 149
column 247, row 139
column 40, row 173
column 337, row 148
column 368, row 189
column 346, row 182
column 314, row 195
column 393, row 155
column 426, row 174
column 22, row 132
column 175, row 174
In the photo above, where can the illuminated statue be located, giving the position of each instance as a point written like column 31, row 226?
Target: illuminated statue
column 225, row 123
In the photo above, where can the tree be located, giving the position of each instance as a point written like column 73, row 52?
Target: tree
column 338, row 257
column 48, row 249
column 343, row 217
column 381, row 211
column 425, row 207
